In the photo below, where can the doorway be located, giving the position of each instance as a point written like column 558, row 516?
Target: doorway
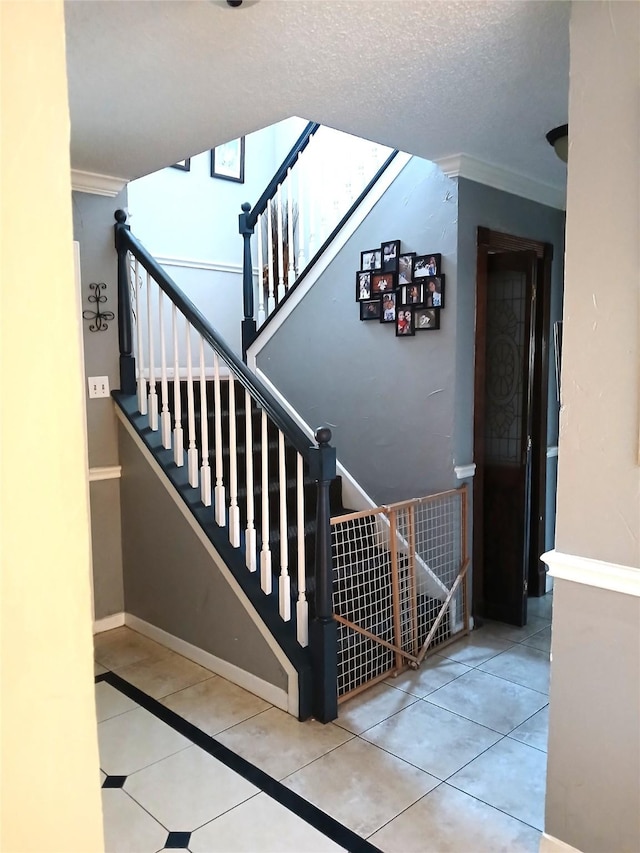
column 513, row 285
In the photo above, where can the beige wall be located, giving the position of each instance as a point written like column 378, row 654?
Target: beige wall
column 599, row 477
column 593, row 774
column 50, row 786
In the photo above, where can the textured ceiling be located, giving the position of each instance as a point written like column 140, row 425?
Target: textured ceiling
column 153, row 82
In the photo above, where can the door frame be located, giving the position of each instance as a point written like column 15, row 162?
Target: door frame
column 490, row 242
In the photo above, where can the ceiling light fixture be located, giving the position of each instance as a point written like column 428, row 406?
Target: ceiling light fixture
column 559, row 139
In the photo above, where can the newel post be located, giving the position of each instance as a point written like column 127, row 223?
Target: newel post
column 323, row 630
column 125, row 333
column 248, row 322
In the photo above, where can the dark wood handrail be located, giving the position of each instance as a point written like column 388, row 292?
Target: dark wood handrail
column 126, row 241
column 261, row 205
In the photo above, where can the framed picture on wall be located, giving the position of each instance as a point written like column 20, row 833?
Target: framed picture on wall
column 227, row 161
column 390, row 254
column 370, row 309
column 183, row 165
column 426, row 319
column 405, row 327
column 388, row 314
column 371, row 259
column 412, row 294
column 363, row 285
column 434, row 291
column 405, row 267
column 382, row 282
column 425, row 265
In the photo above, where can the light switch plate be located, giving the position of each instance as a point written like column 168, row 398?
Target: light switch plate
column 98, row 387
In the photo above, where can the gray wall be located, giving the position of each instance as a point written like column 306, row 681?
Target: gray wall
column 106, row 547
column 479, row 205
column 389, row 401
column 93, row 229
column 171, row 581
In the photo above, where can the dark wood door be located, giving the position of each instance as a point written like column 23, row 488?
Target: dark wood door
column 507, row 430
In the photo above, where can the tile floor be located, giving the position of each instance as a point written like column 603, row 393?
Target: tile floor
column 449, row 758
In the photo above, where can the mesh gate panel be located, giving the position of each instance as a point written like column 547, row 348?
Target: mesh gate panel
column 394, row 571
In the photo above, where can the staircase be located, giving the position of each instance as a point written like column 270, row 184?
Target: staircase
column 277, row 522
column 262, row 491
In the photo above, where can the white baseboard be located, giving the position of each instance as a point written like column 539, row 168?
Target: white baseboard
column 258, row 686
column 107, row 623
column 549, row 844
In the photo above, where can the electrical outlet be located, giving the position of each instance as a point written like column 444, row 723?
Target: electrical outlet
column 98, row 386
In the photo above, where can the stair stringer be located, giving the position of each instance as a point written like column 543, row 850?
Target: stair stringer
column 292, row 658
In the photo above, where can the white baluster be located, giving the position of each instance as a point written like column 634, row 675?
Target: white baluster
column 178, row 438
column 300, row 169
column 302, row 605
column 192, row 452
column 165, row 417
column 260, row 273
column 153, row 397
column 291, row 252
column 265, row 554
column 219, row 495
column 280, row 238
column 271, row 302
column 205, row 470
column 234, row 509
column 250, row 533
column 142, row 384
column 284, row 581
column 312, row 196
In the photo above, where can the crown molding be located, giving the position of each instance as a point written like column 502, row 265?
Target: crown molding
column 90, row 182
column 465, row 166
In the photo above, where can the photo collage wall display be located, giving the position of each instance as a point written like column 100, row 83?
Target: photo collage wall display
column 405, row 289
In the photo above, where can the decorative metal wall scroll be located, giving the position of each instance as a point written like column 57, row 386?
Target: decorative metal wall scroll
column 100, row 319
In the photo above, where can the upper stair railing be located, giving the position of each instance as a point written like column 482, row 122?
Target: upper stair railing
column 216, row 416
column 320, row 183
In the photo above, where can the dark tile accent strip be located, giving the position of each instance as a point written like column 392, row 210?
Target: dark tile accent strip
column 114, row 782
column 314, row 816
column 177, row 840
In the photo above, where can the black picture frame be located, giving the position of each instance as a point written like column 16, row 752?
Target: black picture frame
column 227, row 161
column 183, row 165
column 405, row 267
column 370, row 309
column 390, row 252
column 412, row 294
column 426, row 319
column 382, row 282
column 389, row 307
column 405, row 323
column 427, row 265
column 371, row 259
column 433, row 291
column 363, row 285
